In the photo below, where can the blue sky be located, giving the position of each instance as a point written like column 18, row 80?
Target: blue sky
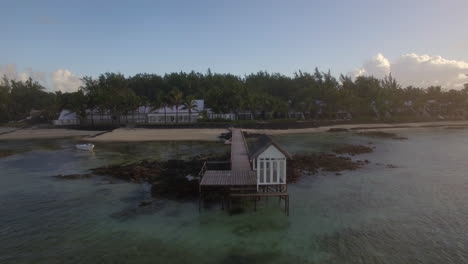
column 92, row 37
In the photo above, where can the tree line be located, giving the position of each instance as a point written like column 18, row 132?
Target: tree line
column 271, row 94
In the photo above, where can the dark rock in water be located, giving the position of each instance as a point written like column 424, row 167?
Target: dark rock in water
column 314, row 162
column 225, row 136
column 135, row 172
column 352, row 149
column 337, row 129
column 391, row 166
column 381, row 134
column 132, row 212
column 145, row 203
column 338, row 174
column 243, row 257
column 168, row 179
column 73, row 176
column 236, row 210
column 6, row 152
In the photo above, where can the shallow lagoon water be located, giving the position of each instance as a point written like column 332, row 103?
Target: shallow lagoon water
column 414, row 213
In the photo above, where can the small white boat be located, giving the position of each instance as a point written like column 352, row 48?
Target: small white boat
column 227, row 142
column 88, row 147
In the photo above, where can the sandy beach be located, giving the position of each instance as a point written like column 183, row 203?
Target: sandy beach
column 45, row 133
column 197, row 134
column 4, row 130
column 145, row 134
column 359, row 127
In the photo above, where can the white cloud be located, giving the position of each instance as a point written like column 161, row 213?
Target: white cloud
column 418, row 70
column 10, row 72
column 59, row 80
column 378, row 66
column 65, row 81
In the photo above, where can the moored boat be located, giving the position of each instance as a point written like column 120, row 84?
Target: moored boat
column 88, row 147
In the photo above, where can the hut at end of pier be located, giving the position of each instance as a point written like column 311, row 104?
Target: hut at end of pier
column 269, row 161
column 257, row 170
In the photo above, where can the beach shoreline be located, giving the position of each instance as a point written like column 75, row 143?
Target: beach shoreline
column 44, row 133
column 195, row 134
column 148, row 134
column 360, row 127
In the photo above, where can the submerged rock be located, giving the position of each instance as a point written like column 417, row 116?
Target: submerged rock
column 136, row 172
column 381, row 134
column 73, row 176
column 352, row 149
column 314, row 162
column 145, row 203
column 225, row 136
column 6, row 152
column 173, row 179
column 337, row 129
column 132, row 212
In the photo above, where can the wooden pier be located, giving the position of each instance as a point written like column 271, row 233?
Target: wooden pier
column 241, row 181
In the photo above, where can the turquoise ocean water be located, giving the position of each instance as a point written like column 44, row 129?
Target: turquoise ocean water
column 415, row 213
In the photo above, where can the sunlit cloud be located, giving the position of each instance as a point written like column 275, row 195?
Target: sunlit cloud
column 65, row 81
column 60, row 80
column 418, row 70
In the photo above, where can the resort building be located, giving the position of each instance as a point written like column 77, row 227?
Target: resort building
column 141, row 115
column 247, row 115
column 178, row 114
column 66, row 118
column 212, row 115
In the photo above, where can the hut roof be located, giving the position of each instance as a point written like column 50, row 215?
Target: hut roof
column 261, row 143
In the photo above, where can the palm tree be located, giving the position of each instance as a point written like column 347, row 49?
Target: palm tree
column 165, row 102
column 154, row 104
column 161, row 102
column 176, row 100
column 189, row 104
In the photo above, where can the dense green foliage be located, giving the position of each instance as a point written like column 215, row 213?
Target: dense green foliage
column 18, row 98
column 273, row 95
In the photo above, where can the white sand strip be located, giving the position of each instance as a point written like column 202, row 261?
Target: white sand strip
column 198, row 134
column 46, row 133
column 147, row 134
column 7, row 129
column 359, row 127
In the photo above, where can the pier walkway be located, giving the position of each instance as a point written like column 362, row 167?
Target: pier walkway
column 240, row 181
column 240, row 174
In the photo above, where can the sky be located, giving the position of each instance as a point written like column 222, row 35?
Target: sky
column 421, row 42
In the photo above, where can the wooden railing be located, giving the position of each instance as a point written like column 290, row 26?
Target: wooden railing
column 214, row 165
column 202, row 171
